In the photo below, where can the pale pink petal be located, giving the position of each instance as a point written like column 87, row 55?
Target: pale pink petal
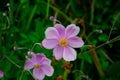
column 47, row 69
column 38, row 74
column 71, row 30
column 32, row 56
column 51, row 33
column 1, row 73
column 60, row 28
column 28, row 65
column 58, row 52
column 45, row 61
column 75, row 42
column 39, row 57
column 69, row 54
column 49, row 43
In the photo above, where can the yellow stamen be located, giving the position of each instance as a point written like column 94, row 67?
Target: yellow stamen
column 37, row 66
column 63, row 42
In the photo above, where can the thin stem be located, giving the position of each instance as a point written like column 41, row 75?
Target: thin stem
column 67, row 7
column 65, row 74
column 8, row 22
column 47, row 10
column 82, row 67
column 21, row 75
column 115, row 39
column 35, row 45
column 97, row 63
column 113, row 25
column 107, row 57
column 112, row 40
column 81, row 75
column 62, row 13
column 101, row 45
column 92, row 12
column 12, row 61
column 89, row 35
column 31, row 16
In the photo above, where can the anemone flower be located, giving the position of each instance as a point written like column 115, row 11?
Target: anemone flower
column 62, row 41
column 40, row 64
column 1, row 73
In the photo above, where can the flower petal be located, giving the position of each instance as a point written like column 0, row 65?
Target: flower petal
column 49, row 43
column 28, row 65
column 45, row 61
column 51, row 33
column 39, row 57
column 71, row 30
column 1, row 73
column 38, row 74
column 58, row 52
column 60, row 28
column 69, row 54
column 32, row 57
column 75, row 42
column 47, row 69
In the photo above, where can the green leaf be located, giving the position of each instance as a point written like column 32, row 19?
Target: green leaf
column 23, row 35
column 86, row 57
column 84, row 48
column 34, row 37
column 103, row 37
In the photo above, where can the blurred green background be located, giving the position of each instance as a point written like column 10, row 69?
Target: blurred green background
column 23, row 23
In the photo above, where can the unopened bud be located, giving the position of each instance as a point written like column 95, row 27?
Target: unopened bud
column 52, row 18
column 8, row 4
column 15, row 48
column 4, row 14
column 100, row 31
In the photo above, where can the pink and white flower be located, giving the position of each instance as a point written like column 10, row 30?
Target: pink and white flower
column 63, row 40
column 40, row 64
column 1, row 73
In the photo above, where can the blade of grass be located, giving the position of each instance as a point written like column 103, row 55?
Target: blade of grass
column 31, row 16
column 47, row 10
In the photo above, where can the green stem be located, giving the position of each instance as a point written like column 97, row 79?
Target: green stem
column 47, row 10
column 92, row 12
column 96, row 61
column 65, row 74
column 11, row 13
column 62, row 13
column 31, row 16
column 113, row 25
column 12, row 61
column 81, row 68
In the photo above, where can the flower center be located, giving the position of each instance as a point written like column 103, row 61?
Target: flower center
column 37, row 66
column 63, row 42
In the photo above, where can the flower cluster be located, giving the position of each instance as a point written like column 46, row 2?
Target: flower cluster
column 63, row 40
column 1, row 73
column 40, row 64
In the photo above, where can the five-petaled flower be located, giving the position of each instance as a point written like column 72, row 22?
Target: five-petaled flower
column 1, row 73
column 41, row 65
column 63, row 40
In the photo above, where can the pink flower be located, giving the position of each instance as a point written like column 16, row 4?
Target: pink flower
column 40, row 64
column 1, row 73
column 63, row 40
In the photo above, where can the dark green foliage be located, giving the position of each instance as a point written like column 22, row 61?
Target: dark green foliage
column 27, row 20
